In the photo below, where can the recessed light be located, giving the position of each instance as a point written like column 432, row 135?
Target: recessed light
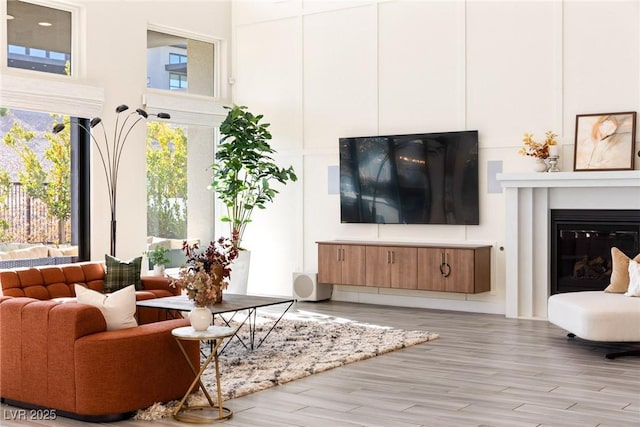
column 10, row 17
column 45, row 24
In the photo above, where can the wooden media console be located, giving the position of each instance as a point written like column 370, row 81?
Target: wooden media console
column 428, row 267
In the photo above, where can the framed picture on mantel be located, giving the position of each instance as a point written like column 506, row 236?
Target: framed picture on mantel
column 605, row 141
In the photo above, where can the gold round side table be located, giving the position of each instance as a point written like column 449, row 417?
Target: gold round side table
column 214, row 411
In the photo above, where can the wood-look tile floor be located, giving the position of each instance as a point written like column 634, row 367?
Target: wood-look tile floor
column 484, row 370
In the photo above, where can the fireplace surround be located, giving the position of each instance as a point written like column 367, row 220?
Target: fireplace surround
column 529, row 200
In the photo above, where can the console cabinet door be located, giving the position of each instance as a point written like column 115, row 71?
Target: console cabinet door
column 388, row 266
column 329, row 264
column 353, row 265
column 404, row 268
column 454, row 270
column 429, row 275
column 341, row 264
column 377, row 266
column 460, row 265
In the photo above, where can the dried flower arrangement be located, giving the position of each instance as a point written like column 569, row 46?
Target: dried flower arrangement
column 206, row 273
column 536, row 149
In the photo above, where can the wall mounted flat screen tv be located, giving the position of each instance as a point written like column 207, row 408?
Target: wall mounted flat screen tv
column 429, row 178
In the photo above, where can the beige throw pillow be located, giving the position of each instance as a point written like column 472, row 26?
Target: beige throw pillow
column 118, row 308
column 619, row 282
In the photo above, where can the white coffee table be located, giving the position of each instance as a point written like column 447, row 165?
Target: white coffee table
column 202, row 413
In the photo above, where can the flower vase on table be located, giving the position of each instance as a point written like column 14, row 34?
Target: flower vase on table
column 204, row 276
column 200, row 318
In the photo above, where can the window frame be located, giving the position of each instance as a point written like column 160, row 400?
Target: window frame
column 217, row 48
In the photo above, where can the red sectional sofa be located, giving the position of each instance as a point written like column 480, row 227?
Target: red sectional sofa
column 60, row 356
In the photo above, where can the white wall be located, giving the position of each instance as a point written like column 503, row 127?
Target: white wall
column 322, row 70
column 319, row 70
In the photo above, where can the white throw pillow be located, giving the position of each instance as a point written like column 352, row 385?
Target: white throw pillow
column 634, row 279
column 118, row 308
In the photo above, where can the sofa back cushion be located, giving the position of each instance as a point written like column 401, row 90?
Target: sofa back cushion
column 48, row 282
column 55, row 282
column 94, row 275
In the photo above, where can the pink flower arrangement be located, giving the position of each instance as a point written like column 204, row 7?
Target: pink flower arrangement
column 206, row 273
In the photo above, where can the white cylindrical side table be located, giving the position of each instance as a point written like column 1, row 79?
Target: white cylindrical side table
column 217, row 334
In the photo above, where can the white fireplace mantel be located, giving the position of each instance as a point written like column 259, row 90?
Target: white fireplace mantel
column 571, row 179
column 529, row 198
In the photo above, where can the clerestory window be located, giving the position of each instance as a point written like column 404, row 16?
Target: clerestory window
column 38, row 38
column 179, row 63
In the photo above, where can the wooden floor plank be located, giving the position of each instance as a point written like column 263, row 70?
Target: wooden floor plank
column 484, row 370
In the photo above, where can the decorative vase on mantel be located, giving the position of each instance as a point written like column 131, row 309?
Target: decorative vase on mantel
column 200, row 318
column 540, row 165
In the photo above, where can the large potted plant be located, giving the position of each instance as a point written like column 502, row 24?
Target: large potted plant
column 243, row 175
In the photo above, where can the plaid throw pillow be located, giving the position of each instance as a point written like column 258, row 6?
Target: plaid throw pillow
column 121, row 274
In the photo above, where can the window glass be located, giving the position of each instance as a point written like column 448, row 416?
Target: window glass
column 177, row 59
column 177, row 81
column 179, row 203
column 166, row 180
column 180, row 64
column 35, row 173
column 38, row 38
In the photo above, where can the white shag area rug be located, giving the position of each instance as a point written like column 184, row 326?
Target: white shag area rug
column 302, row 344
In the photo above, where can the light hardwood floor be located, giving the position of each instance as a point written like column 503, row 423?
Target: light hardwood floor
column 484, row 370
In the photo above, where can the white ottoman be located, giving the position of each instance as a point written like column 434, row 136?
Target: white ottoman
column 597, row 315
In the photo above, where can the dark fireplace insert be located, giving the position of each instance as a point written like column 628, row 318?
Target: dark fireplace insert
column 581, row 241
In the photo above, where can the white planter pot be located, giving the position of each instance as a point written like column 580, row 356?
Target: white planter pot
column 239, row 279
column 200, row 318
column 158, row 270
column 144, row 267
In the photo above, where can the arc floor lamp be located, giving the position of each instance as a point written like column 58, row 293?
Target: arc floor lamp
column 110, row 152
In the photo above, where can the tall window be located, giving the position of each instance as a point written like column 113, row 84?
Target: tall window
column 179, row 203
column 38, row 38
column 180, row 64
column 166, row 181
column 35, row 180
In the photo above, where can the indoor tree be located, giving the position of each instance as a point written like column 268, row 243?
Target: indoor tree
column 244, row 171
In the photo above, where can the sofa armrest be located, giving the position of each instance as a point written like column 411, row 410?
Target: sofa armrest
column 159, row 283
column 38, row 340
column 143, row 365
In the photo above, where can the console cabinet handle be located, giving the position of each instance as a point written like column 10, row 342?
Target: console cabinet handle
column 445, row 268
